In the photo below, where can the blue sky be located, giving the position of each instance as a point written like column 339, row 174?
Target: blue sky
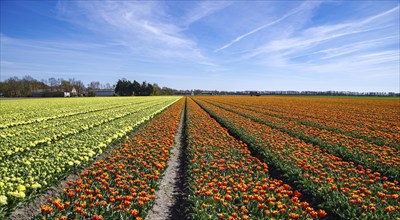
column 233, row 45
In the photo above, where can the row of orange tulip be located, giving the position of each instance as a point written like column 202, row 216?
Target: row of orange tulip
column 383, row 159
column 123, row 184
column 226, row 182
column 345, row 188
column 355, row 118
column 374, row 114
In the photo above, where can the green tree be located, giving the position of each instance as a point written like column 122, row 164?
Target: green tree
column 124, row 88
column 156, row 89
column 136, row 87
column 149, row 89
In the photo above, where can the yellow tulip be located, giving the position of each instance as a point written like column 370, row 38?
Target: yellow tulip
column 3, row 200
column 36, row 186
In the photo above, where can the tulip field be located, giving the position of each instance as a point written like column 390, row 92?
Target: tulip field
column 227, row 182
column 44, row 140
column 339, row 167
column 272, row 157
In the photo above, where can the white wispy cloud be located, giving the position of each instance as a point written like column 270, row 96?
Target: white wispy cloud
column 357, row 50
column 355, row 47
column 203, row 9
column 55, row 48
column 383, row 64
column 143, row 27
column 34, row 56
column 304, row 6
column 349, row 48
column 313, row 37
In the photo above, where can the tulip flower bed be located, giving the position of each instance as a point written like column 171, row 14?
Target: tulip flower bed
column 383, row 159
column 227, row 182
column 27, row 111
column 122, row 185
column 343, row 187
column 376, row 121
column 290, row 158
column 25, row 137
column 29, row 170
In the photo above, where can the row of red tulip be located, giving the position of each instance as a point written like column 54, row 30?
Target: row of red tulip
column 345, row 188
column 383, row 159
column 355, row 118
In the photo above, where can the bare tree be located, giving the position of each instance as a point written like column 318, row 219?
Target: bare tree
column 66, row 85
column 80, row 87
column 94, row 85
column 44, row 84
column 53, row 83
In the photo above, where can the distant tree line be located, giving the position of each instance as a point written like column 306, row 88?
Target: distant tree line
column 52, row 87
column 291, row 93
column 329, row 93
column 55, row 87
column 125, row 87
column 15, row 87
column 28, row 86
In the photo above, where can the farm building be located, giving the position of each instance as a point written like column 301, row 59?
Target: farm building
column 74, row 92
column 105, row 92
column 254, row 93
column 206, row 93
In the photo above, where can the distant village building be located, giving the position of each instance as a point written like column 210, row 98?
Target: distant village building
column 104, row 92
column 207, row 93
column 71, row 93
column 54, row 92
column 38, row 93
column 254, row 93
column 74, row 92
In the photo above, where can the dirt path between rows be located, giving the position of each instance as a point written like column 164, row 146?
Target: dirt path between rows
column 170, row 200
